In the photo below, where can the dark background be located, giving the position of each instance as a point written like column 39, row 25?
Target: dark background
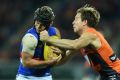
column 17, row 15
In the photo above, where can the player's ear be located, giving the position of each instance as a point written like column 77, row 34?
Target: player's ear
column 85, row 22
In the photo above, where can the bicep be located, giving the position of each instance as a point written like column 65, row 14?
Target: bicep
column 84, row 40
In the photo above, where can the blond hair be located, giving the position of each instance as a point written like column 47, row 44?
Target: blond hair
column 90, row 14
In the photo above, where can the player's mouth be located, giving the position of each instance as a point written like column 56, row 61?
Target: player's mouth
column 73, row 27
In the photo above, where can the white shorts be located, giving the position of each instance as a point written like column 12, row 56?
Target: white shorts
column 22, row 77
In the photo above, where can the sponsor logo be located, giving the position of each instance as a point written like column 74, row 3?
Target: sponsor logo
column 113, row 57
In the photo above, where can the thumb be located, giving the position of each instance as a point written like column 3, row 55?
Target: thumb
column 44, row 32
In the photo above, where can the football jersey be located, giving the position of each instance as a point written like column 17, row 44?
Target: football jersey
column 38, row 54
column 103, row 60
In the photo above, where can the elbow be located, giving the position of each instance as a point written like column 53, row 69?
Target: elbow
column 26, row 64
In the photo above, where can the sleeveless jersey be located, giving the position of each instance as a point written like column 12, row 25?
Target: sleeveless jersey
column 38, row 54
column 103, row 60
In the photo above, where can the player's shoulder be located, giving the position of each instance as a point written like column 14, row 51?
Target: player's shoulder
column 58, row 32
column 54, row 28
column 29, row 38
column 54, row 31
column 89, row 35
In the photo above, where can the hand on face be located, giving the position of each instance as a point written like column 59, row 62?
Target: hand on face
column 44, row 35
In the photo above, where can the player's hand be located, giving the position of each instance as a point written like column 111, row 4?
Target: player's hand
column 54, row 61
column 56, row 50
column 44, row 35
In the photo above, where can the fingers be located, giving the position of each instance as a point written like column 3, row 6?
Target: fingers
column 44, row 35
column 59, row 58
column 55, row 60
column 56, row 50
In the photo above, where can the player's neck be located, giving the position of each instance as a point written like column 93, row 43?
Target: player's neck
column 84, row 29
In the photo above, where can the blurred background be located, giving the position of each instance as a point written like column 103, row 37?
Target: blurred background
column 17, row 15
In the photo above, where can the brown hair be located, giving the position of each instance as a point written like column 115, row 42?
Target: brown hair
column 90, row 14
column 45, row 15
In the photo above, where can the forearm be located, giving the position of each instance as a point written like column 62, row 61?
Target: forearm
column 32, row 63
column 28, row 61
column 62, row 43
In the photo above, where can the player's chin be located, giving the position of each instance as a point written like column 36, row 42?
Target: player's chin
column 74, row 30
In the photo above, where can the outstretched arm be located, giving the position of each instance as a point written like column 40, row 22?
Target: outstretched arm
column 83, row 41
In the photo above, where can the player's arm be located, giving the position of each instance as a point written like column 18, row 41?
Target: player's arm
column 67, row 56
column 83, row 41
column 29, row 43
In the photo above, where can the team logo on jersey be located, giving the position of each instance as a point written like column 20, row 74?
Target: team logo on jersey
column 113, row 57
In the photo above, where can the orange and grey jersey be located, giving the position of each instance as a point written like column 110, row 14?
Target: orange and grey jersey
column 103, row 60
